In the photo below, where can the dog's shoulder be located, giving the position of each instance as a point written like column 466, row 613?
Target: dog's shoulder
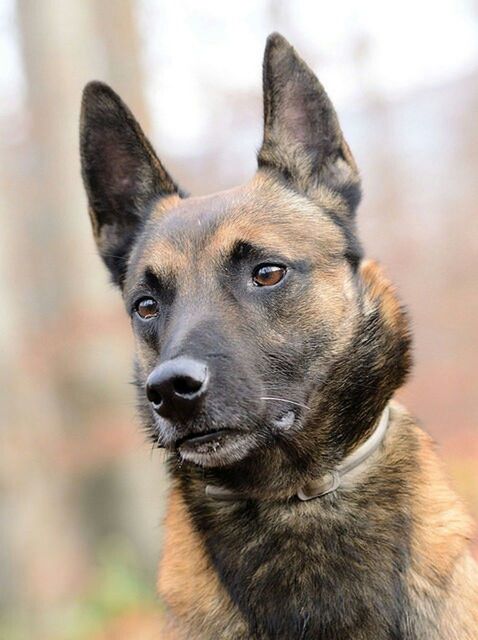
column 197, row 603
column 441, row 570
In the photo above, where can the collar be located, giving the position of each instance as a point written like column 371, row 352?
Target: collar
column 331, row 481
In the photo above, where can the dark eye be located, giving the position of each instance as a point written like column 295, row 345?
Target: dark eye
column 267, row 275
column 147, row 308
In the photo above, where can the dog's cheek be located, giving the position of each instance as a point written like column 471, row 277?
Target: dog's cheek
column 334, row 308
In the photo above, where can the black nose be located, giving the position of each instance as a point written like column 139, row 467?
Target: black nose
column 177, row 387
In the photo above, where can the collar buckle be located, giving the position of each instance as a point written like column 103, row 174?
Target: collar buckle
column 318, row 488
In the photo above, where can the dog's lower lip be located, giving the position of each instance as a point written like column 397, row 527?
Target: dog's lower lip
column 204, row 438
column 215, row 448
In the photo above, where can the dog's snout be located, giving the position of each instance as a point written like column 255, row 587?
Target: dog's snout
column 177, row 387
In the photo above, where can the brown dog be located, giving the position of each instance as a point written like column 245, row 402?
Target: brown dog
column 304, row 502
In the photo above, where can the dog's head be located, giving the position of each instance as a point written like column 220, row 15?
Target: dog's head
column 264, row 342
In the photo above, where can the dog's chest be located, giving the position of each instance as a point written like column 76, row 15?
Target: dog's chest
column 304, row 570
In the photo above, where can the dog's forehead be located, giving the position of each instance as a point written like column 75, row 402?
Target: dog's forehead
column 263, row 213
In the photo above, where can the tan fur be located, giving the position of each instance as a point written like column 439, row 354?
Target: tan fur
column 164, row 259
column 442, row 577
column 442, row 533
column 382, row 292
column 165, row 204
column 442, row 530
column 187, row 583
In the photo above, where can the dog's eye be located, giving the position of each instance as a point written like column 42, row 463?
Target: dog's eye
column 267, row 275
column 147, row 308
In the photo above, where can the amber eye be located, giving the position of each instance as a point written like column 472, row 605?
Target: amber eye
column 147, row 308
column 267, row 275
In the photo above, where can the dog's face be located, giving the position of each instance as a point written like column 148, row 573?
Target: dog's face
column 255, row 285
column 247, row 304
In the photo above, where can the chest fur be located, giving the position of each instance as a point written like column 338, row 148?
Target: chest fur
column 385, row 559
column 249, row 571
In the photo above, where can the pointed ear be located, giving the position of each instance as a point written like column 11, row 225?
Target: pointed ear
column 302, row 135
column 121, row 173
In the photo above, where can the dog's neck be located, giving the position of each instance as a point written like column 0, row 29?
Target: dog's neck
column 299, row 554
column 330, row 481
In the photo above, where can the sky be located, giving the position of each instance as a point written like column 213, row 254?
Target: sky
column 194, row 53
column 357, row 49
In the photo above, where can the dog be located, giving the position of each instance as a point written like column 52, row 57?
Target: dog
column 304, row 501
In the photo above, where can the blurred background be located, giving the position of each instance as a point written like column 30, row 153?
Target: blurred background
column 81, row 491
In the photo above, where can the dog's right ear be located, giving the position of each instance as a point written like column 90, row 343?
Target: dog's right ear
column 303, row 140
column 121, row 173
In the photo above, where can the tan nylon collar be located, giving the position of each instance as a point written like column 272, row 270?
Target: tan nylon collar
column 330, row 481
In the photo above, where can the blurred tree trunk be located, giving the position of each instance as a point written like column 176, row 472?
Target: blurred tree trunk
column 115, row 21
column 64, row 44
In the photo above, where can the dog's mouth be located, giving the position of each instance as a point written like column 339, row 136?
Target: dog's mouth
column 225, row 446
column 218, row 447
column 204, row 439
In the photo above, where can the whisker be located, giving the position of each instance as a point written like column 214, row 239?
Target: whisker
column 113, row 255
column 298, row 404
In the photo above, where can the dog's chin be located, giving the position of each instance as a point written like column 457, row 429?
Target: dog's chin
column 220, row 448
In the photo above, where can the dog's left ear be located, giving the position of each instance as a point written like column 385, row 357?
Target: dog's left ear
column 302, row 135
column 121, row 173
